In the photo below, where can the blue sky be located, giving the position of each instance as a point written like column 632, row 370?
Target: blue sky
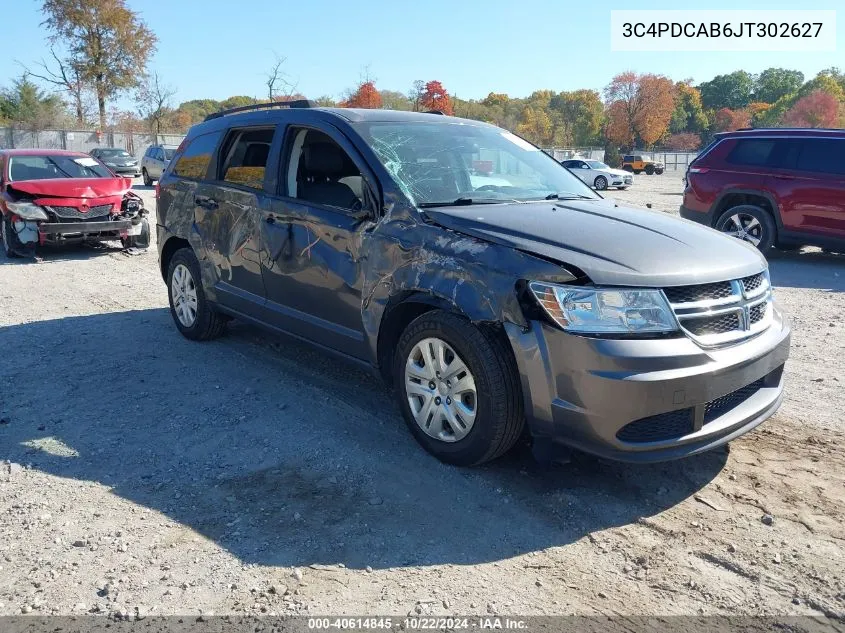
column 215, row 48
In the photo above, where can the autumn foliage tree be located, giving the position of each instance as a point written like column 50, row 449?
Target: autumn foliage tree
column 726, row 120
column 683, row 142
column 366, row 96
column 817, row 109
column 435, row 97
column 641, row 106
column 535, row 126
column 109, row 43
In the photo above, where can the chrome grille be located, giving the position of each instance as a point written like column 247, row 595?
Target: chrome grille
column 725, row 312
column 75, row 213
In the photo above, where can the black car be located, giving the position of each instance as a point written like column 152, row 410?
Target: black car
column 118, row 160
column 477, row 275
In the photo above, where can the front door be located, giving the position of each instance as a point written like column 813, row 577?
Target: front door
column 310, row 241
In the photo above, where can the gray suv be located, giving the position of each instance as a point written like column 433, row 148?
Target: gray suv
column 497, row 293
column 155, row 159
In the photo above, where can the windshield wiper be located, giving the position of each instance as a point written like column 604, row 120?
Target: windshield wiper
column 459, row 202
column 568, row 196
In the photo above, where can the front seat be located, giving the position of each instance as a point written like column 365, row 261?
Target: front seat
column 324, row 165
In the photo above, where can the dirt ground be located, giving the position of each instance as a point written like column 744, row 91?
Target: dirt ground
column 145, row 475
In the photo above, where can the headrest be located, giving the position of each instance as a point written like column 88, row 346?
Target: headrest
column 256, row 155
column 324, row 158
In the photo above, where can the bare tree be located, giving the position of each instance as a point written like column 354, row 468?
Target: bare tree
column 416, row 93
column 279, row 86
column 155, row 101
column 67, row 76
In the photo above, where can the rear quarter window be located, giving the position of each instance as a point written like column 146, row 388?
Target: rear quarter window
column 195, row 159
column 751, row 152
column 824, row 156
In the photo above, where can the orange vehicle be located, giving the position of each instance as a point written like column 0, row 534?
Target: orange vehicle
column 637, row 164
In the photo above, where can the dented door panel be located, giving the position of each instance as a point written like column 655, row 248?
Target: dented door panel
column 226, row 223
column 312, row 273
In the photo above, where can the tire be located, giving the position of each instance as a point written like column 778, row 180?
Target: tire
column 11, row 243
column 658, row 171
column 649, row 169
column 638, row 171
column 207, row 323
column 600, row 183
column 628, row 168
column 138, row 241
column 740, row 222
column 497, row 397
column 148, row 182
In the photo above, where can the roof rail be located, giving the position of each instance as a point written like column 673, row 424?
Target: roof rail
column 300, row 103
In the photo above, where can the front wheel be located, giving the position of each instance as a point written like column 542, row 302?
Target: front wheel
column 146, row 176
column 12, row 246
column 649, row 169
column 601, row 183
column 191, row 312
column 750, row 224
column 142, row 240
column 658, row 171
column 458, row 389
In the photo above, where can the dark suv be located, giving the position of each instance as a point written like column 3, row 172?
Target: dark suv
column 477, row 275
column 778, row 188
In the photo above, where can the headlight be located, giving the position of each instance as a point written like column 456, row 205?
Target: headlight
column 587, row 310
column 27, row 210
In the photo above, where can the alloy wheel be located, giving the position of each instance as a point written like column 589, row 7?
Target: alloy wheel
column 183, row 291
column 441, row 390
column 745, row 227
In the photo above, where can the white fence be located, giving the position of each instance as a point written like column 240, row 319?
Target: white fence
column 83, row 140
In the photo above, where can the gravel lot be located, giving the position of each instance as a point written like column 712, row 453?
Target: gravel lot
column 145, row 474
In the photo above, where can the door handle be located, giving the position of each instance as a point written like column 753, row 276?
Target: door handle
column 270, row 219
column 206, row 202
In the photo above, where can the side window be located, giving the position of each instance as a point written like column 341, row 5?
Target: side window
column 321, row 172
column 244, row 157
column 821, row 155
column 751, row 152
column 194, row 161
column 628, row 158
column 159, row 154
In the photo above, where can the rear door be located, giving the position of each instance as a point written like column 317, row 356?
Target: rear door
column 228, row 213
column 809, row 178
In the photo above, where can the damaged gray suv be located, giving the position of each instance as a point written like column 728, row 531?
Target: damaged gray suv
column 493, row 290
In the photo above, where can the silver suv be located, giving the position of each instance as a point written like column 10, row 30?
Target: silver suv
column 156, row 158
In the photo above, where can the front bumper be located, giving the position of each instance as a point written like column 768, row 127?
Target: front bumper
column 134, row 170
column 646, row 400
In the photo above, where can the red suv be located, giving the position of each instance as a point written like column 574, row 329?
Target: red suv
column 774, row 188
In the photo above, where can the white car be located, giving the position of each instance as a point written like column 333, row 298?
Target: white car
column 598, row 175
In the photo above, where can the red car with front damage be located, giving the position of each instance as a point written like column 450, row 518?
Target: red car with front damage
column 60, row 197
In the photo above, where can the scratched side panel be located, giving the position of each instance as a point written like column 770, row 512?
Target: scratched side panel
column 478, row 277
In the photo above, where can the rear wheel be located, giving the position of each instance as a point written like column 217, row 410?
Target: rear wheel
column 627, row 168
column 146, row 176
column 638, row 171
column 457, row 389
column 191, row 312
column 751, row 224
column 600, row 183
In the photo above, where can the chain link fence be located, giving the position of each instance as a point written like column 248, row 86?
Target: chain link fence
column 83, row 140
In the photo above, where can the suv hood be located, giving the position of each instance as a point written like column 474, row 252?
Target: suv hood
column 613, row 245
column 74, row 187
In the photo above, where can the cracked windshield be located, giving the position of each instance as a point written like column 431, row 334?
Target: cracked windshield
column 446, row 164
